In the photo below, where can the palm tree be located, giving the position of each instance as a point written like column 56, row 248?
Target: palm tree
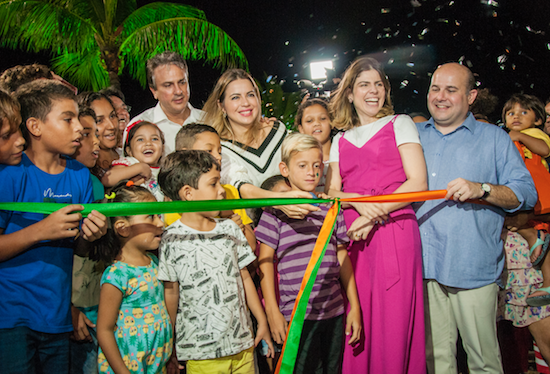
column 92, row 41
column 277, row 103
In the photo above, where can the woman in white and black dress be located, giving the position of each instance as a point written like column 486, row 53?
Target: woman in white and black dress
column 251, row 147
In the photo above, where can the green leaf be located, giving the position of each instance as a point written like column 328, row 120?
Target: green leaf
column 84, row 69
column 277, row 103
column 124, row 9
column 42, row 25
column 77, row 32
column 99, row 10
column 193, row 38
column 155, row 12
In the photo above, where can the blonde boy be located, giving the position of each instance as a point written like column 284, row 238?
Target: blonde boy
column 293, row 241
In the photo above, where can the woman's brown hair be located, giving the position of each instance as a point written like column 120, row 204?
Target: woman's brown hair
column 343, row 112
column 215, row 116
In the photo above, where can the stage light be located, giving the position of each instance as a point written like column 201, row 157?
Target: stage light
column 318, row 71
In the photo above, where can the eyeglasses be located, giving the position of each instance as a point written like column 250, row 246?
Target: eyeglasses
column 128, row 108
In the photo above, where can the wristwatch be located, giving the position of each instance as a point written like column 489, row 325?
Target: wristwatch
column 486, row 190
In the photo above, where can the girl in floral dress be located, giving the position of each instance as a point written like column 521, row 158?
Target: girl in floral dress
column 133, row 325
column 520, row 280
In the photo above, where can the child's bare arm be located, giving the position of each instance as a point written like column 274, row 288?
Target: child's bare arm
column 253, row 302
column 171, row 297
column 61, row 224
column 110, row 299
column 119, row 172
column 347, row 278
column 250, row 237
column 537, row 146
column 277, row 322
column 246, row 229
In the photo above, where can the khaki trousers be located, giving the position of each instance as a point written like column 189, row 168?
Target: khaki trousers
column 473, row 314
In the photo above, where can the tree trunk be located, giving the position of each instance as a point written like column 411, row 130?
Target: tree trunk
column 112, row 62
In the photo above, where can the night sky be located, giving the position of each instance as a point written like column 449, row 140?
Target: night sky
column 505, row 43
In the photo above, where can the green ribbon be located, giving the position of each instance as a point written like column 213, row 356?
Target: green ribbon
column 137, row 208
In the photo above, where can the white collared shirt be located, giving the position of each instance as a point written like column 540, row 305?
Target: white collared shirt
column 170, row 129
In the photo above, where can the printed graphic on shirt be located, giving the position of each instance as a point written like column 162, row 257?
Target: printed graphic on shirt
column 213, row 320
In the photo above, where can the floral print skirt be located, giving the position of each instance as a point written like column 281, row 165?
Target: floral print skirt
column 520, row 280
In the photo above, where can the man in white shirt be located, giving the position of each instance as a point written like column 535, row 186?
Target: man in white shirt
column 168, row 80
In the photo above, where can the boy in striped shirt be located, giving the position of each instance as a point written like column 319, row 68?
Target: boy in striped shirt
column 292, row 242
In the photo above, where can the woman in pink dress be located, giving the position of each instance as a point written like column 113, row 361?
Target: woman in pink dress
column 380, row 153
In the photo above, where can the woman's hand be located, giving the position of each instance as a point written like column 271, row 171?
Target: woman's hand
column 323, row 196
column 360, row 228
column 297, row 211
column 372, row 211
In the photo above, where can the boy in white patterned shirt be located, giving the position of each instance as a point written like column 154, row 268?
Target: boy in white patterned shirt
column 207, row 285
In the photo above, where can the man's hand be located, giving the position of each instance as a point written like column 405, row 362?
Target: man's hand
column 461, row 190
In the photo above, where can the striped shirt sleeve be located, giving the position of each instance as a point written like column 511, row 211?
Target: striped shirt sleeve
column 268, row 229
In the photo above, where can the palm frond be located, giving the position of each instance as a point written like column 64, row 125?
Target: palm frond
column 194, row 39
column 277, row 103
column 39, row 25
column 98, row 10
column 123, row 10
column 84, row 70
column 155, row 12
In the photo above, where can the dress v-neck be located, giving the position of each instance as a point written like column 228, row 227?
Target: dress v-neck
column 372, row 137
column 257, row 151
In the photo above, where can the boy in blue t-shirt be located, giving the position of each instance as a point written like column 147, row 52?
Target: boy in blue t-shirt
column 36, row 252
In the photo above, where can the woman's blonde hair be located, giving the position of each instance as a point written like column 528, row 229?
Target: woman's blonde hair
column 215, row 116
column 298, row 142
column 343, row 112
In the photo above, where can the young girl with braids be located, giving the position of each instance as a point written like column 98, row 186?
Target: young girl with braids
column 133, row 326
